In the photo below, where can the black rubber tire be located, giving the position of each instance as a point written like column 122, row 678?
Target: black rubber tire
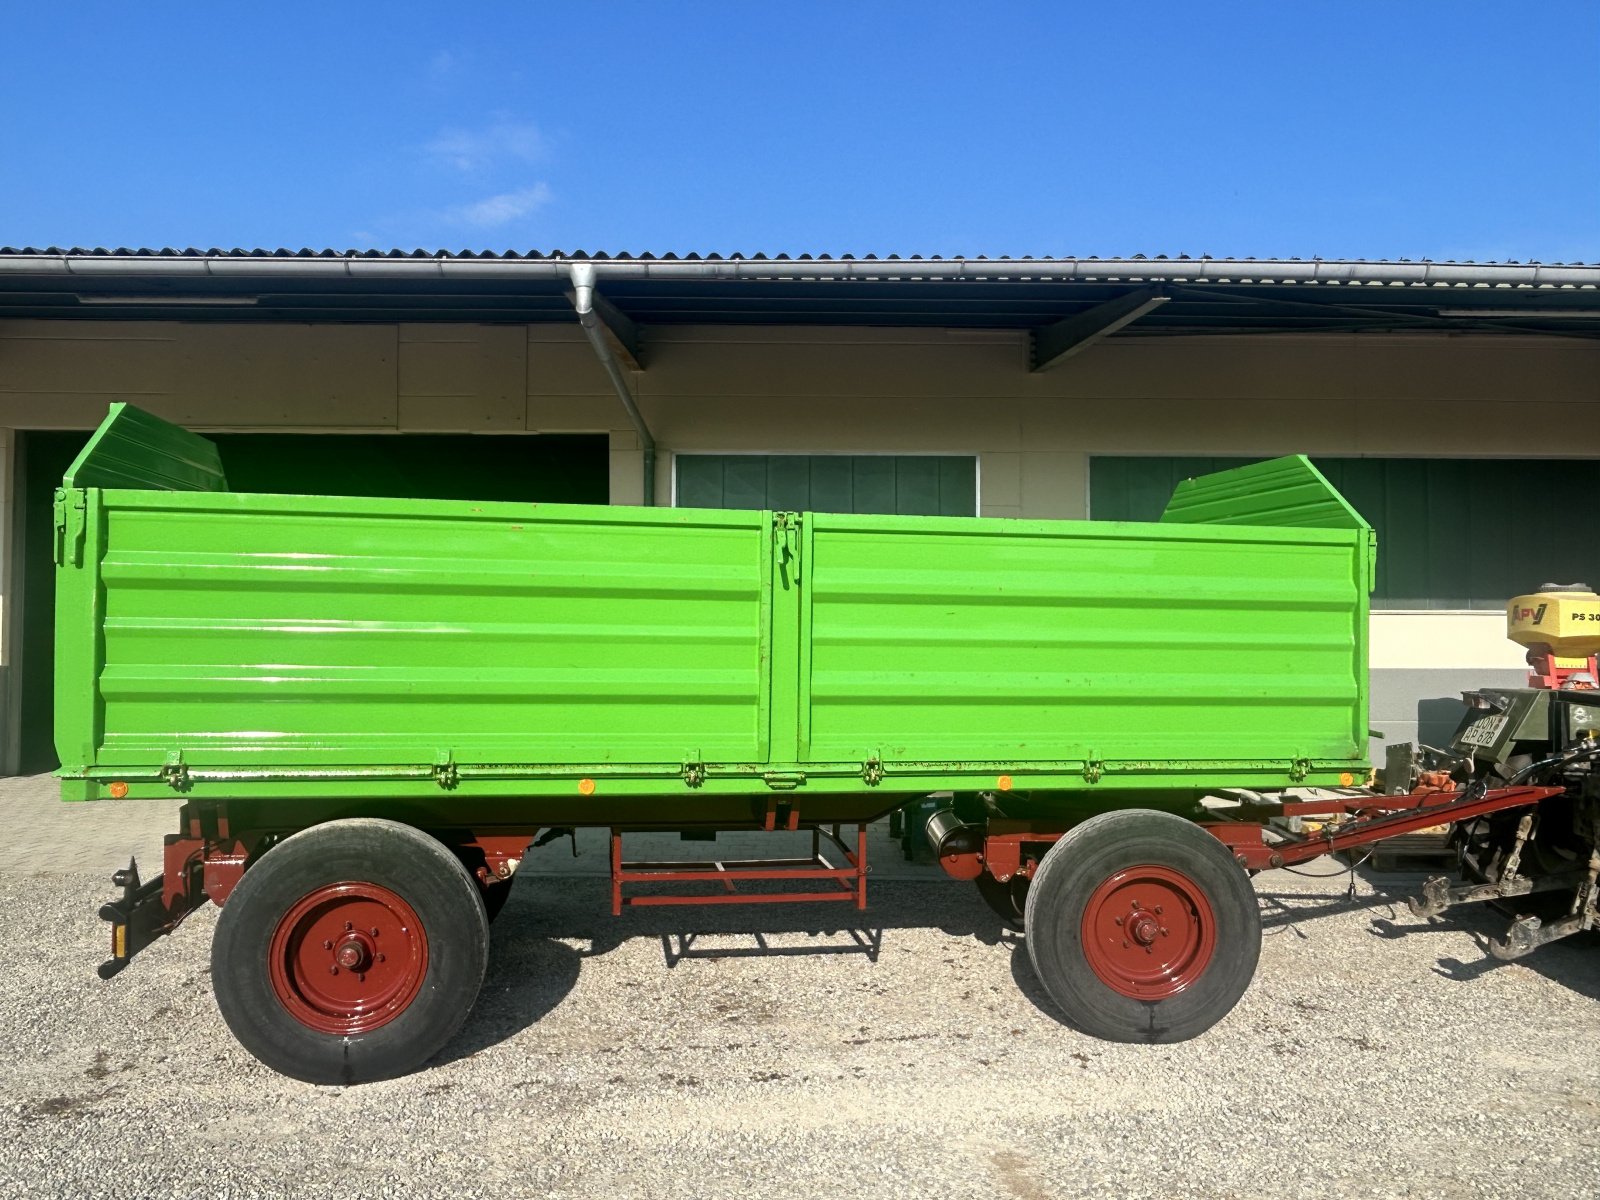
column 1006, row 900
column 1088, row 855
column 414, row 866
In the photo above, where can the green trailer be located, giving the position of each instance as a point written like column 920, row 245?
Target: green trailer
column 371, row 707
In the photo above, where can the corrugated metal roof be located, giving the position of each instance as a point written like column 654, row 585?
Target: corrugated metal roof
column 1249, row 264
column 1204, row 294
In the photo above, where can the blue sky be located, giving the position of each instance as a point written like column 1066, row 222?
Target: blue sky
column 1443, row 129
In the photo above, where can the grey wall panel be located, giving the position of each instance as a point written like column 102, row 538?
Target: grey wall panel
column 1425, row 705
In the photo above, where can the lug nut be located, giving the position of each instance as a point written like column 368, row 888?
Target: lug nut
column 380, row 958
column 1118, row 921
column 374, row 931
column 327, row 944
column 349, row 925
column 333, row 970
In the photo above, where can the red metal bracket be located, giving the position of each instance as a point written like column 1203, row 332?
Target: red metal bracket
column 501, row 854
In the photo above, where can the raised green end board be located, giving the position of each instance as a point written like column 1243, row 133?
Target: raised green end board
column 133, row 449
column 1283, row 492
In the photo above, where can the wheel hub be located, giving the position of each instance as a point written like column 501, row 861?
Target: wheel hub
column 1148, row 932
column 348, row 958
column 1144, row 929
column 354, row 953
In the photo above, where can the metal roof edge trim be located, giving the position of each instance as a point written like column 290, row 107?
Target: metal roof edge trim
column 1131, row 270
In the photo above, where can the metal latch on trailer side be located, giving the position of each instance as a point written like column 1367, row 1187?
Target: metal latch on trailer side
column 786, row 530
column 71, row 520
column 784, row 781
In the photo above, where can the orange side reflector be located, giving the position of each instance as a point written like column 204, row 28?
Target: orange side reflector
column 118, row 790
column 1003, row 783
column 586, row 786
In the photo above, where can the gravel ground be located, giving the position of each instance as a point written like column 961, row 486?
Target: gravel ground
column 908, row 1051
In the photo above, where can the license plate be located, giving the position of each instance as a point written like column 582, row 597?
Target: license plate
column 1484, row 730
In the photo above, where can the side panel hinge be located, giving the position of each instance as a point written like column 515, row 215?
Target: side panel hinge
column 872, row 771
column 444, row 770
column 176, row 772
column 1093, row 770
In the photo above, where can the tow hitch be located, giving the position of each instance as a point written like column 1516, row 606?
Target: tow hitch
column 137, row 919
column 204, row 862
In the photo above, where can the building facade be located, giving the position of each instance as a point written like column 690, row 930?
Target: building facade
column 1468, row 440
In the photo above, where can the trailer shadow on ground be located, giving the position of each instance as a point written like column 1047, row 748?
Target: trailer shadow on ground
column 527, row 978
column 551, row 925
column 548, row 929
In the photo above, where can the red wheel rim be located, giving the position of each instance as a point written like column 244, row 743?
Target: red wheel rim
column 348, row 958
column 1148, row 932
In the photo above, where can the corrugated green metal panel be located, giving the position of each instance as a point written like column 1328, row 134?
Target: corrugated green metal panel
column 295, row 646
column 930, row 485
column 1282, row 492
column 1078, row 640
column 247, row 629
column 132, row 449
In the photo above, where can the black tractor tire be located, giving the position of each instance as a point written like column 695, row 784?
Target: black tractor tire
column 378, row 1006
column 1142, row 927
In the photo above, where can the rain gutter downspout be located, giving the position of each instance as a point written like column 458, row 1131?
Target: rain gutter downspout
column 582, row 276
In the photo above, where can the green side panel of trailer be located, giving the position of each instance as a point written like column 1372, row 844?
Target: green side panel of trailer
column 236, row 646
column 1084, row 642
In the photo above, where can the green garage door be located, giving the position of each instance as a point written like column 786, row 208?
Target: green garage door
column 915, row 485
column 1452, row 533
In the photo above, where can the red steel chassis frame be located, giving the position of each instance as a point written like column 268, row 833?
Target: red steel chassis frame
column 207, row 858
column 1375, row 818
column 1013, row 847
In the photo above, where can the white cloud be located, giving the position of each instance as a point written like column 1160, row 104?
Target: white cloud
column 473, row 150
column 494, row 211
